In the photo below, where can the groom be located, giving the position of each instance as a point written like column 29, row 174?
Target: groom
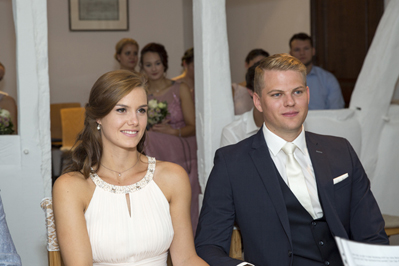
column 289, row 191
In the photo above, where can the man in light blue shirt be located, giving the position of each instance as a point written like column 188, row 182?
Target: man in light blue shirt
column 324, row 89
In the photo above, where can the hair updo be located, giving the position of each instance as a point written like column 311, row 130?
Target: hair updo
column 155, row 48
column 188, row 56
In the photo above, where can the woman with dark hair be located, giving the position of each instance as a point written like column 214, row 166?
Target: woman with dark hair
column 173, row 139
column 241, row 97
column 187, row 77
column 114, row 205
column 8, row 103
column 127, row 54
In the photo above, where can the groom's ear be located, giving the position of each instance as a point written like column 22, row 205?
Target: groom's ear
column 257, row 104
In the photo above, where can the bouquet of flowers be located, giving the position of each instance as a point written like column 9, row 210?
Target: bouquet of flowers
column 6, row 126
column 157, row 111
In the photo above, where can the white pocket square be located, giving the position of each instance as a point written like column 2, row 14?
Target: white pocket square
column 340, row 178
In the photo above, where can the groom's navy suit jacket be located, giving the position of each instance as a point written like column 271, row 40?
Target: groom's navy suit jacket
column 243, row 188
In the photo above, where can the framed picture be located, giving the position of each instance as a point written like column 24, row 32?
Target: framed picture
column 93, row 15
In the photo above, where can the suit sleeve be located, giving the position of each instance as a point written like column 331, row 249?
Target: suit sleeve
column 367, row 224
column 217, row 217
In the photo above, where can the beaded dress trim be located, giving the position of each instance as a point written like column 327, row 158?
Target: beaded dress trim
column 126, row 189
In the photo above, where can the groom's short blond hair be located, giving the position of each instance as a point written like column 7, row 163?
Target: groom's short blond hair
column 277, row 62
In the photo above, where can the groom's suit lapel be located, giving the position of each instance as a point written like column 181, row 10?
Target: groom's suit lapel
column 324, row 179
column 269, row 176
column 321, row 167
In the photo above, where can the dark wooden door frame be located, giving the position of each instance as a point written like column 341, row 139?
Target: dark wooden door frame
column 342, row 32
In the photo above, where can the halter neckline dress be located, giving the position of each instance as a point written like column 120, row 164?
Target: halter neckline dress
column 141, row 237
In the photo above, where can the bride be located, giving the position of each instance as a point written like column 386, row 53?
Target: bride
column 114, row 205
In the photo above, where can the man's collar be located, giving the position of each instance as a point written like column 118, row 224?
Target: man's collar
column 275, row 143
column 312, row 71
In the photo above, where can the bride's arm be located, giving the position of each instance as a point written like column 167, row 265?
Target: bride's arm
column 69, row 194
column 176, row 186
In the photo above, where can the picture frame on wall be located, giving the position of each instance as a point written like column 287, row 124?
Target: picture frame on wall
column 98, row 15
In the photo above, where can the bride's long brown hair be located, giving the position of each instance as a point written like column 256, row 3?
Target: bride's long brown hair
column 108, row 90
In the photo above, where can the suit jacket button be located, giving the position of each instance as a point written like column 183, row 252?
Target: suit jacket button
column 327, row 263
column 289, row 253
column 321, row 243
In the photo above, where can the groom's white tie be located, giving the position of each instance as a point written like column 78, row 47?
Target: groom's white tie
column 296, row 179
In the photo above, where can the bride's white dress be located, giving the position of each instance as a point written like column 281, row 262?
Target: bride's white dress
column 118, row 238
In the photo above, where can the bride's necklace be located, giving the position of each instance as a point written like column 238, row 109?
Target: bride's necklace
column 120, row 173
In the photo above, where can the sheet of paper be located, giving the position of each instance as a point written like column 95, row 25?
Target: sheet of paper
column 360, row 254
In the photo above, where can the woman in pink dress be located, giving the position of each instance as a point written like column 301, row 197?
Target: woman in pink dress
column 187, row 77
column 173, row 139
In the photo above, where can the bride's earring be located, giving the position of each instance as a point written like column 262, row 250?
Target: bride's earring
column 98, row 127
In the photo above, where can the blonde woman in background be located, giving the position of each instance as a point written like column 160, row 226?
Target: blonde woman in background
column 127, row 54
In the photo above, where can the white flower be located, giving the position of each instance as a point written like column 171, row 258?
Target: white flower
column 153, row 104
column 162, row 105
column 4, row 113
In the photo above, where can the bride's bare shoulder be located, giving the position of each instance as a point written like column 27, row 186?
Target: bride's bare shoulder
column 73, row 183
column 170, row 172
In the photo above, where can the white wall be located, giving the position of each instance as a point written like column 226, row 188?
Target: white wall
column 77, row 59
column 25, row 173
column 266, row 24
column 188, row 27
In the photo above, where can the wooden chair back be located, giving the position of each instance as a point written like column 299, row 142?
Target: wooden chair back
column 72, row 121
column 55, row 118
column 53, row 249
column 236, row 244
column 391, row 224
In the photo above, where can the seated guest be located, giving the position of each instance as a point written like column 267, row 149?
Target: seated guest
column 325, row 92
column 172, row 139
column 187, row 62
column 2, row 71
column 289, row 191
column 114, row 205
column 8, row 103
column 8, row 253
column 247, row 124
column 127, row 54
column 242, row 101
